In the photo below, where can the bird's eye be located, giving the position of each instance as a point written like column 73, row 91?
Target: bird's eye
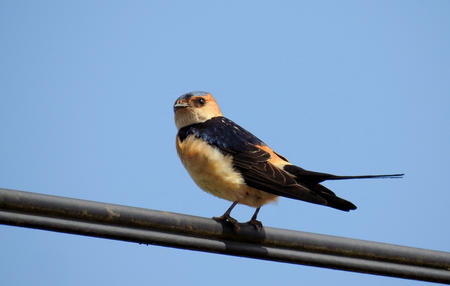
column 201, row 101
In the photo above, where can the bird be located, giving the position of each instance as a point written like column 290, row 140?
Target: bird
column 231, row 163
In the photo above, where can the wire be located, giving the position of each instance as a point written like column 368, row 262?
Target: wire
column 145, row 226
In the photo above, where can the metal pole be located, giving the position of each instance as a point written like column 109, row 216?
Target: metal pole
column 189, row 232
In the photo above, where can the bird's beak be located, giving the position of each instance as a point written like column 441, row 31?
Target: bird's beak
column 180, row 105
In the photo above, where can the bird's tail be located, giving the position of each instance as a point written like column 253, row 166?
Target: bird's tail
column 391, row 176
column 312, row 179
column 317, row 177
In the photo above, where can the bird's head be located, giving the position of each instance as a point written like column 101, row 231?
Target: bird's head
column 195, row 107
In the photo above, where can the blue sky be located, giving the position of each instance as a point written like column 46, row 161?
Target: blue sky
column 347, row 87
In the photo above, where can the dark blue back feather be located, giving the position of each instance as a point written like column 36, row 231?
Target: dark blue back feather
column 222, row 133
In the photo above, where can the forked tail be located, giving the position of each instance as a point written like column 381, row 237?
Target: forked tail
column 317, row 177
column 391, row 176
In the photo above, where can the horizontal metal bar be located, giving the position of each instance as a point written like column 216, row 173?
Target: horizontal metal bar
column 196, row 233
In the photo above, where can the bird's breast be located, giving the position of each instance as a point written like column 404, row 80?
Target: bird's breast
column 213, row 171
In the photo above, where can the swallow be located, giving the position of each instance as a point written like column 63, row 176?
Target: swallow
column 229, row 162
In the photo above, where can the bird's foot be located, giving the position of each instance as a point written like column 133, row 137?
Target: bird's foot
column 256, row 223
column 228, row 219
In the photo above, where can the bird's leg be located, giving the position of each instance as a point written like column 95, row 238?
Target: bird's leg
column 227, row 218
column 256, row 223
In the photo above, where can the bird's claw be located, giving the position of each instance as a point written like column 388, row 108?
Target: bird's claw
column 256, row 223
column 228, row 219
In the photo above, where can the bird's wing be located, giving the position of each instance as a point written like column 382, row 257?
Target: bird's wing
column 252, row 158
column 258, row 172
